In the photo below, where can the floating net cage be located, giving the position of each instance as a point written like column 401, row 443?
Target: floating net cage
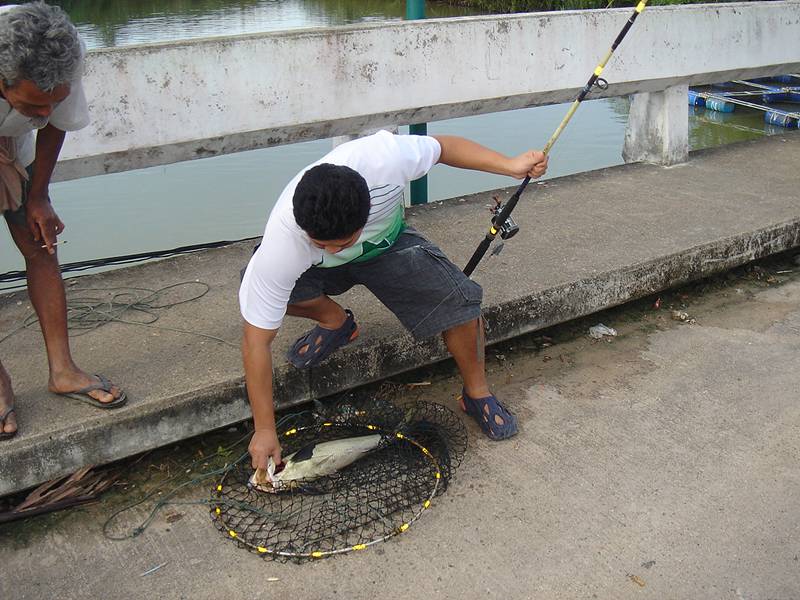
column 378, row 496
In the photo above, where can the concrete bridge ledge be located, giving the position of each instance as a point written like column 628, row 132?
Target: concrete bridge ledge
column 144, row 99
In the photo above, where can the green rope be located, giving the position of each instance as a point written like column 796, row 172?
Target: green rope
column 85, row 314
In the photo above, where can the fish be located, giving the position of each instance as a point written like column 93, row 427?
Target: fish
column 313, row 461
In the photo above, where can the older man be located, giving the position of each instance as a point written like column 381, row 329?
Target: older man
column 41, row 58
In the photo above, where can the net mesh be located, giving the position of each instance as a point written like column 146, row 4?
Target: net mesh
column 374, row 498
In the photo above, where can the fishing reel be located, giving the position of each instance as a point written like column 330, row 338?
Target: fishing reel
column 510, row 227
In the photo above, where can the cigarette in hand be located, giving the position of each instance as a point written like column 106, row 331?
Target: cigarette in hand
column 54, row 243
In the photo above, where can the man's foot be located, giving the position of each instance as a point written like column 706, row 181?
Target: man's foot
column 494, row 419
column 8, row 418
column 316, row 345
column 93, row 389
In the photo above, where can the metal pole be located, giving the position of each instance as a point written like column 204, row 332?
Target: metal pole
column 415, row 9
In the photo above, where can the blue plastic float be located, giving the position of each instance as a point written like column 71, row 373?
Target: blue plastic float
column 754, row 94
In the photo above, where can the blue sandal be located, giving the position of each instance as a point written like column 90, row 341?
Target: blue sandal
column 495, row 420
column 319, row 343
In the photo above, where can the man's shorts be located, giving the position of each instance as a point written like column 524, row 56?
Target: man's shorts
column 413, row 278
column 19, row 216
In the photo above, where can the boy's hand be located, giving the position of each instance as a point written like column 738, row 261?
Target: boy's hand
column 531, row 164
column 264, row 444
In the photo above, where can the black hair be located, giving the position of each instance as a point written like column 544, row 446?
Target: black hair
column 331, row 202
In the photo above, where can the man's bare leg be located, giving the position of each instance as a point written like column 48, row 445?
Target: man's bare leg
column 46, row 291
column 6, row 401
column 323, row 310
column 466, row 343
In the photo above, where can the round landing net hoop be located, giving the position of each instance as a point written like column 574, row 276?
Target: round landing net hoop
column 375, row 498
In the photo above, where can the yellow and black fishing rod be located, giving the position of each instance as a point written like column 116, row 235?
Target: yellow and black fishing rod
column 501, row 222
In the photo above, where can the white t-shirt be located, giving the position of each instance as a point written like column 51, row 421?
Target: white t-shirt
column 69, row 115
column 387, row 162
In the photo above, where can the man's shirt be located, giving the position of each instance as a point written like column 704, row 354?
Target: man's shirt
column 387, row 162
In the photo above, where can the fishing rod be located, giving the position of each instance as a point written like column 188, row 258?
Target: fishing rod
column 501, row 221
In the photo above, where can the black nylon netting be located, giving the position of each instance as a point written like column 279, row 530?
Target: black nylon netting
column 369, row 501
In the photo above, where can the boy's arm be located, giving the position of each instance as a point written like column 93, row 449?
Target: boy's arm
column 465, row 154
column 257, row 358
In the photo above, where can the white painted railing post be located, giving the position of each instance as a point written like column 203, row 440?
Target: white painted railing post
column 658, row 127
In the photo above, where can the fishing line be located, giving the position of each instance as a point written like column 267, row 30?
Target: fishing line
column 500, row 220
column 370, row 501
column 166, row 499
column 86, row 313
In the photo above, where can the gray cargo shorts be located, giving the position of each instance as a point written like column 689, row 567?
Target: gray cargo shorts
column 413, row 279
column 19, row 216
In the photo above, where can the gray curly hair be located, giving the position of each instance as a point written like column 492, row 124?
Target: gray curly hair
column 38, row 42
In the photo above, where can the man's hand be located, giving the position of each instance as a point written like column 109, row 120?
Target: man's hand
column 43, row 221
column 531, row 164
column 264, row 444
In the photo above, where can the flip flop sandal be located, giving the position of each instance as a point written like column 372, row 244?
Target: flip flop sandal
column 319, row 343
column 105, row 385
column 494, row 419
column 6, row 435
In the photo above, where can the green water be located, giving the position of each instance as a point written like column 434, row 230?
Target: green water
column 229, row 197
column 105, row 23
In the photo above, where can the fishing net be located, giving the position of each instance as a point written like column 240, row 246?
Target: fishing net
column 376, row 497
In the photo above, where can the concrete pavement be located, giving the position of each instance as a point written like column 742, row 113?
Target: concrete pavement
column 663, row 464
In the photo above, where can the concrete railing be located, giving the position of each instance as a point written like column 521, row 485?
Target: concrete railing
column 163, row 103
